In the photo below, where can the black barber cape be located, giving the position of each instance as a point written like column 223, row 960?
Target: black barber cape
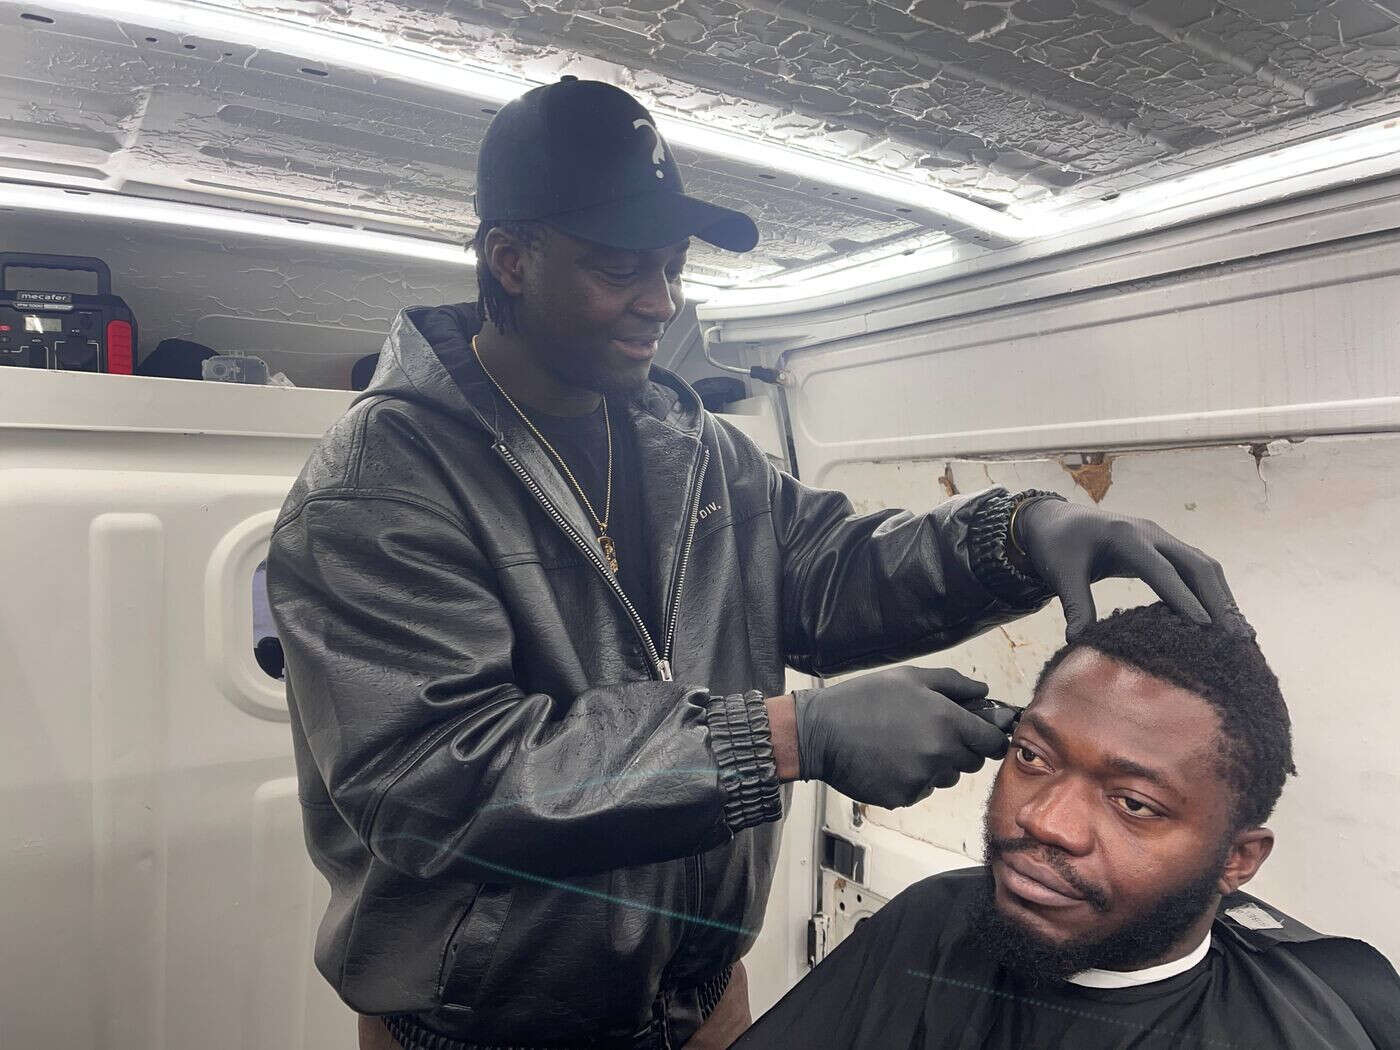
column 909, row 979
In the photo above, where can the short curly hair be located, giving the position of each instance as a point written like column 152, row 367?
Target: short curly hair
column 497, row 306
column 1226, row 670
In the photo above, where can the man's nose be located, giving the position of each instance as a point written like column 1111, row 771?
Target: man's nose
column 658, row 299
column 1060, row 815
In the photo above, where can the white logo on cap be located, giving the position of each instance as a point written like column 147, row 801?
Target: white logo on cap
column 658, row 152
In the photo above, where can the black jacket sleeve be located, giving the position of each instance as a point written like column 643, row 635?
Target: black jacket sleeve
column 400, row 679
column 870, row 589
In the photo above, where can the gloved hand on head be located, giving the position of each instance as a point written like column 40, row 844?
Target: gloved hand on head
column 1070, row 546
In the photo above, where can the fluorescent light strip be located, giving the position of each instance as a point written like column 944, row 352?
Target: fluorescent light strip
column 336, row 47
column 858, row 280
column 339, row 47
column 855, row 262
column 1279, row 167
column 221, row 220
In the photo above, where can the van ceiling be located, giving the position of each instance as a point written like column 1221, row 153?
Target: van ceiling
column 1002, row 102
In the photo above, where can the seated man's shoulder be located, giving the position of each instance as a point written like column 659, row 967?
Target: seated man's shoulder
column 1263, row 925
column 1359, row 974
column 1363, row 978
column 1348, row 957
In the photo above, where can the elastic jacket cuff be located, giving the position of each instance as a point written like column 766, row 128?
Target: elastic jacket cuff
column 988, row 537
column 742, row 742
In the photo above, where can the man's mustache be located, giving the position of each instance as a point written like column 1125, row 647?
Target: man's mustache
column 1096, row 896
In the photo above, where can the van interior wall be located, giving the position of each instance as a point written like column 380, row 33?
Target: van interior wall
column 309, row 311
column 1252, row 409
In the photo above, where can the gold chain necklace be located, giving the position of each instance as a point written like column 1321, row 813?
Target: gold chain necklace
column 601, row 524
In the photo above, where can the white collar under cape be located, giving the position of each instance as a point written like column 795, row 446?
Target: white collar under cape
column 1133, row 978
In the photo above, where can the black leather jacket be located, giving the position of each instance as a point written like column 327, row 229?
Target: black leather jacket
column 533, row 816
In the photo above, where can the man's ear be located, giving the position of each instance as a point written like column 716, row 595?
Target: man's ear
column 506, row 257
column 1247, row 855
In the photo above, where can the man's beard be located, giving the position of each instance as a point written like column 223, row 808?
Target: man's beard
column 1132, row 946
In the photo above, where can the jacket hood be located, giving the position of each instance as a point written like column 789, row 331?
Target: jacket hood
column 427, row 359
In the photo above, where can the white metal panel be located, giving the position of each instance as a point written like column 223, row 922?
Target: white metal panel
column 778, row 959
column 158, row 892
column 126, row 585
column 1296, row 343
column 40, row 410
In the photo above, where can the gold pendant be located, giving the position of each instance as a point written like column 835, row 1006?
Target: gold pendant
column 609, row 551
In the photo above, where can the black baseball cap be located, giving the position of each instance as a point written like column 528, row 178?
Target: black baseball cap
column 585, row 157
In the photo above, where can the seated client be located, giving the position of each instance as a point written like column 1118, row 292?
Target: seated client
column 1125, row 818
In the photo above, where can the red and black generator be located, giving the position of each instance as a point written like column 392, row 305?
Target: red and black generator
column 65, row 330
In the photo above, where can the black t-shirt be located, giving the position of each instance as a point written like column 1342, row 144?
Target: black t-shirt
column 582, row 441
column 910, row 978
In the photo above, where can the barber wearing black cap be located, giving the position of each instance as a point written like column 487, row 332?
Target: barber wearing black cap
column 537, row 700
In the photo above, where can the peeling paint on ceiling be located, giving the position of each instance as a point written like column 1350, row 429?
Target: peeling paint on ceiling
column 1000, row 101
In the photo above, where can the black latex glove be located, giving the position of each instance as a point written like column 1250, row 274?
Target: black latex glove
column 1071, row 546
column 891, row 737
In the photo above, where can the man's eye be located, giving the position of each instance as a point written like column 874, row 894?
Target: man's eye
column 1028, row 756
column 619, row 275
column 1133, row 807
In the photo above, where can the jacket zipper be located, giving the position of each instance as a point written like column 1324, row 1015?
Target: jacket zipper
column 699, row 885
column 683, row 563
column 661, row 665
